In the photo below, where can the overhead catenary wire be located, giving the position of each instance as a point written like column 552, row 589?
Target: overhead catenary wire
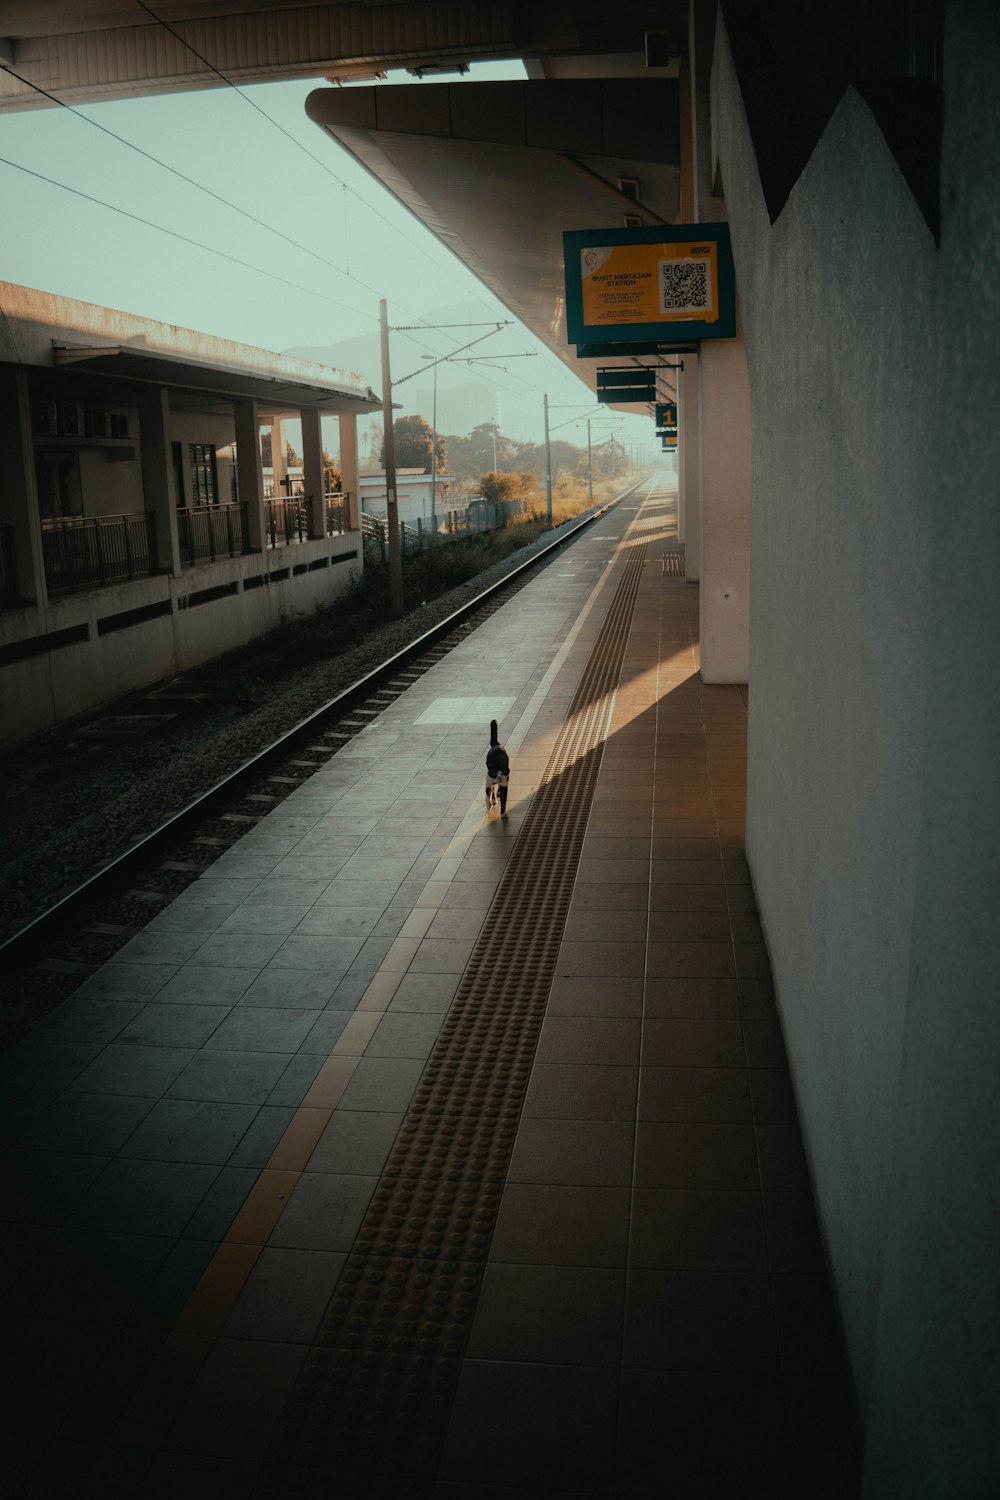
column 210, row 192
column 174, row 171
column 409, row 332
column 311, row 154
column 318, row 160
column 176, row 234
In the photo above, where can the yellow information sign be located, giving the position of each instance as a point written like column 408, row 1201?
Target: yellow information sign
column 667, row 283
column 657, row 284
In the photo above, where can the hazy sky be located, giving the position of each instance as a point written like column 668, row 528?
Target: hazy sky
column 357, row 243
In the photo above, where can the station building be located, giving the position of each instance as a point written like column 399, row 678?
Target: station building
column 838, row 482
column 139, row 535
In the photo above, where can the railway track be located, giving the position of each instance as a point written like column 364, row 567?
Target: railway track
column 49, row 955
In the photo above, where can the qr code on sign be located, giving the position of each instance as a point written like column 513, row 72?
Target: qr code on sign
column 684, row 286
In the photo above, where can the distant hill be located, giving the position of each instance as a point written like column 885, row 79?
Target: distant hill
column 360, row 355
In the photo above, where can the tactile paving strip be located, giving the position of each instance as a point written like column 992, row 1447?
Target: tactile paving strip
column 370, row 1410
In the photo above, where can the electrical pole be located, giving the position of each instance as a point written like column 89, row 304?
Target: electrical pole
column 434, row 462
column 548, row 466
column 391, row 508
column 590, row 467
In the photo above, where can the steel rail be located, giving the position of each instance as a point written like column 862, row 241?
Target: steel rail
column 28, row 939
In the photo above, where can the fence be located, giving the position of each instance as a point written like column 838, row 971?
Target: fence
column 85, row 552
column 482, row 515
column 478, row 516
column 286, row 521
column 336, row 512
column 212, row 532
column 375, row 538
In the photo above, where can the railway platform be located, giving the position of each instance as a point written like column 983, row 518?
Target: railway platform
column 416, row 1151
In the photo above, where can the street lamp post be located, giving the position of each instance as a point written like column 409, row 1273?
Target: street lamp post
column 434, row 461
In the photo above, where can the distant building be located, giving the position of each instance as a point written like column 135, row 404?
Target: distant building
column 413, row 495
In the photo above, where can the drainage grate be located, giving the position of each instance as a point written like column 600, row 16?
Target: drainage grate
column 370, row 1411
column 673, row 564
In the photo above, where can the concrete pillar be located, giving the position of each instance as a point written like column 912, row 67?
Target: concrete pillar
column 159, row 490
column 349, row 470
column 689, row 464
column 716, row 435
column 279, row 468
column 688, row 406
column 312, row 469
column 249, row 469
column 725, row 514
column 20, row 501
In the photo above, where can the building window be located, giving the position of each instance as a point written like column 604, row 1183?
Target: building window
column 204, row 482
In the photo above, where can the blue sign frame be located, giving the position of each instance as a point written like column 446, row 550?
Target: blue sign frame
column 635, row 289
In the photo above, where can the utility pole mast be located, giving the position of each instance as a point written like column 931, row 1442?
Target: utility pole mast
column 389, row 438
column 548, row 466
column 590, row 467
column 434, row 462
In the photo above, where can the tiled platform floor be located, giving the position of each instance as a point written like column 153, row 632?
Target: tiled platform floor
column 194, row 1136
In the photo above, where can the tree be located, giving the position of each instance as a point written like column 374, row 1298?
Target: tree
column 413, row 437
column 494, row 486
column 332, row 479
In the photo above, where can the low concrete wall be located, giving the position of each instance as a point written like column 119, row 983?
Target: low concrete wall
column 874, row 725
column 48, row 686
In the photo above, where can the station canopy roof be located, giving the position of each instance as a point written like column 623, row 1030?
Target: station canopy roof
column 497, row 171
column 280, row 391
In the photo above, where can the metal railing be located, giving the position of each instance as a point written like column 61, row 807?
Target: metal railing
column 87, row 552
column 477, row 516
column 211, row 532
column 482, row 515
column 335, row 511
column 8, row 569
column 374, row 538
column 286, row 521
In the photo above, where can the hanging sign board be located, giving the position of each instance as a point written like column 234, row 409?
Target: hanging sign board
column 667, row 283
column 669, row 441
column 624, row 394
column 666, row 415
column 629, row 384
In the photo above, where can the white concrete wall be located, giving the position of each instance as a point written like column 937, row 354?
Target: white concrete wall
column 110, row 486
column 45, row 689
column 187, row 427
column 724, row 553
column 874, row 734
